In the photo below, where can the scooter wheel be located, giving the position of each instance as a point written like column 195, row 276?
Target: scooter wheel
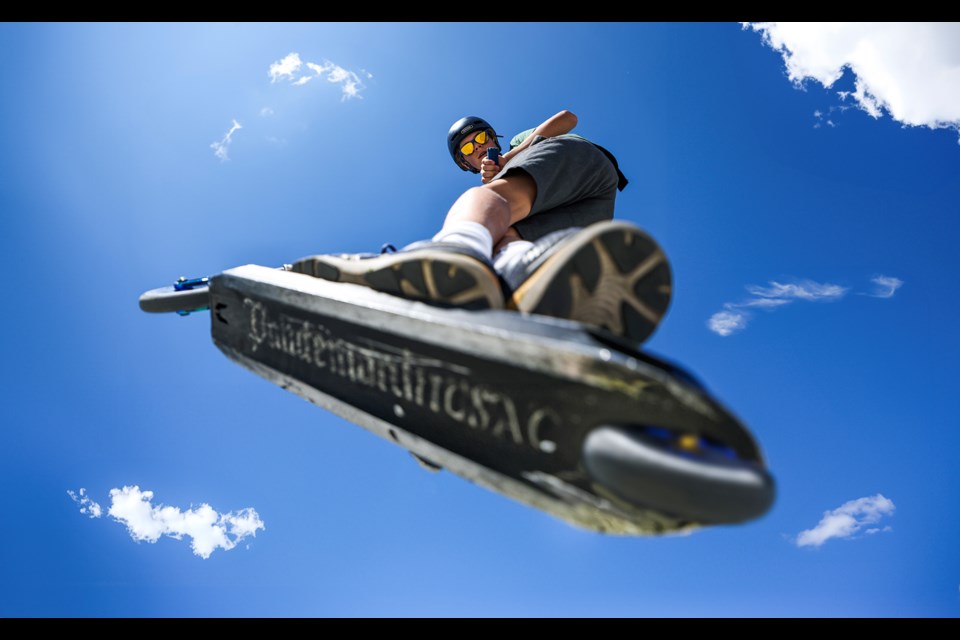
column 702, row 484
column 170, row 300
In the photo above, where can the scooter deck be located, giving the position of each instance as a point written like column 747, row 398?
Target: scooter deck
column 511, row 402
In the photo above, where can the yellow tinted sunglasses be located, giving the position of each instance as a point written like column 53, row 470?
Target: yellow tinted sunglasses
column 469, row 147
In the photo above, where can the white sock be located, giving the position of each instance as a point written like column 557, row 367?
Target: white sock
column 509, row 253
column 471, row 234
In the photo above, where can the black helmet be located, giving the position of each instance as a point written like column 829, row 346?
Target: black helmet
column 459, row 130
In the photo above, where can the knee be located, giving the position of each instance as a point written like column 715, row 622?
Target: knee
column 518, row 192
column 489, row 197
column 482, row 205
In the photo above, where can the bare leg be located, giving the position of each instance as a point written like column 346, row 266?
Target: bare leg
column 496, row 205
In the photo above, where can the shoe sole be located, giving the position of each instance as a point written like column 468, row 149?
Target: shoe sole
column 611, row 275
column 438, row 277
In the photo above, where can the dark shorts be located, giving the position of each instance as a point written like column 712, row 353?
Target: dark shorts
column 576, row 185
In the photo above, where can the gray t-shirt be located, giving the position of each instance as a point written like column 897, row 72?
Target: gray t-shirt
column 576, row 184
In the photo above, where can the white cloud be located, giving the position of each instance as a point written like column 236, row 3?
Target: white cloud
column 909, row 70
column 847, row 520
column 285, row 68
column 207, row 529
column 87, row 506
column 320, row 69
column 736, row 315
column 338, row 74
column 350, row 83
column 727, row 322
column 806, row 290
column 826, row 118
column 762, row 303
column 884, row 286
column 874, row 530
column 220, row 148
column 298, row 73
column 351, row 89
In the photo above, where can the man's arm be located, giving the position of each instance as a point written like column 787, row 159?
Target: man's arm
column 556, row 125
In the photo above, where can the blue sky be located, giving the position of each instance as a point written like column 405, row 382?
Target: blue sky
column 756, row 189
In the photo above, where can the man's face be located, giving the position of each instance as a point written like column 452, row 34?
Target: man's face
column 479, row 151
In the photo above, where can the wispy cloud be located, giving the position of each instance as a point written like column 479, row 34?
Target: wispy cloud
column 807, row 290
column 847, row 520
column 220, row 148
column 207, row 529
column 291, row 68
column 735, row 316
column 762, row 303
column 827, row 118
column 884, row 286
column 908, row 70
column 87, row 506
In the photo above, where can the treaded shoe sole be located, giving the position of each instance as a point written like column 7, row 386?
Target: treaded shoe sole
column 610, row 275
column 438, row 277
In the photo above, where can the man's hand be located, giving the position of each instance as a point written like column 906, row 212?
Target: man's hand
column 489, row 169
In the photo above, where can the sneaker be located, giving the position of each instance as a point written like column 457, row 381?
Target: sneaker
column 610, row 275
column 440, row 273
